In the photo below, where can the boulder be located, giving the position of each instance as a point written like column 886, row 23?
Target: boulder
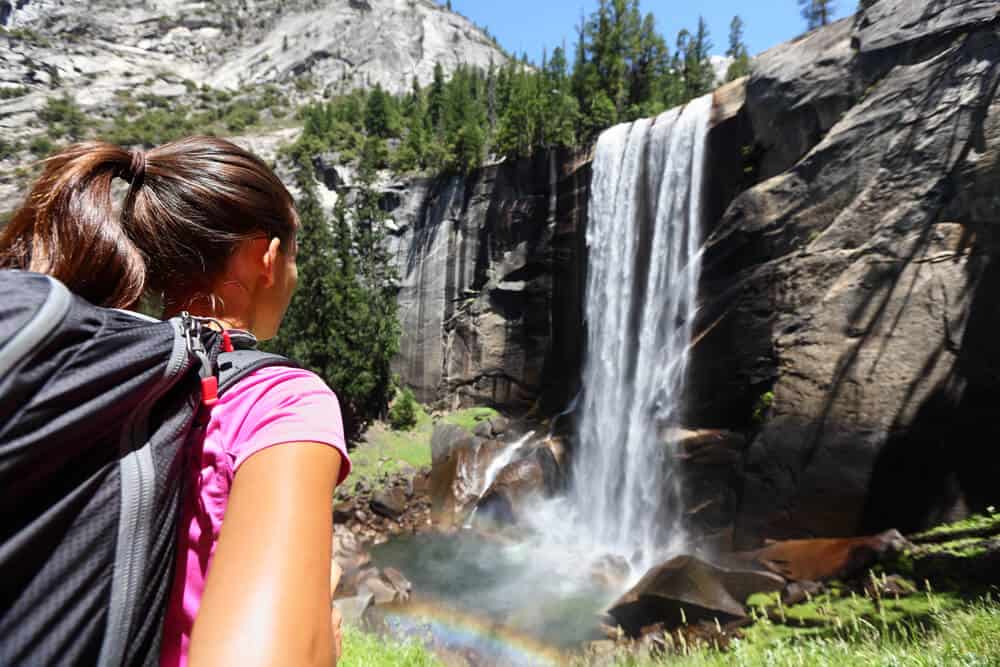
column 356, row 610
column 399, row 582
column 519, row 483
column 610, row 572
column 484, row 429
column 459, row 478
column 390, row 503
column 825, row 559
column 445, row 438
column 686, row 589
column 796, row 592
column 499, row 425
column 380, row 591
column 891, row 586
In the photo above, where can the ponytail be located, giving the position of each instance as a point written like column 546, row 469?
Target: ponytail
column 68, row 227
column 189, row 203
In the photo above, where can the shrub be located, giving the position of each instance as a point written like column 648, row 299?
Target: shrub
column 764, row 404
column 41, row 145
column 8, row 148
column 240, row 116
column 64, row 117
column 403, row 413
column 9, row 93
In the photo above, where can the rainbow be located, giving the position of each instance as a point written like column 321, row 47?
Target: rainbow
column 479, row 640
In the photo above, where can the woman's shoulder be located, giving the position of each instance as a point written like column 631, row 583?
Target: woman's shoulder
column 279, row 404
column 278, row 380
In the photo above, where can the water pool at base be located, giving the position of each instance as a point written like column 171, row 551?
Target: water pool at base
column 491, row 601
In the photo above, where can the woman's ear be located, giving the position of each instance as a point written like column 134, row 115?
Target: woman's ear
column 270, row 262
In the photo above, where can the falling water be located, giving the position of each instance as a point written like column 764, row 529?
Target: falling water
column 643, row 237
column 643, row 269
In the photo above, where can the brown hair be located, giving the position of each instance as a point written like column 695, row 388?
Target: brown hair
column 189, row 203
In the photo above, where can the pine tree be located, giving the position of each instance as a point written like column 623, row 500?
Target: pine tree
column 518, row 125
column 342, row 323
column 650, row 66
column 737, row 51
column 377, row 122
column 699, row 77
column 435, row 98
column 403, row 414
column 817, row 13
column 491, row 97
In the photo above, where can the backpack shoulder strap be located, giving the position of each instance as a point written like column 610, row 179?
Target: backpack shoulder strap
column 236, row 365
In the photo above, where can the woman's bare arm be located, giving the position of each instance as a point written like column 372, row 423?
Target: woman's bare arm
column 267, row 597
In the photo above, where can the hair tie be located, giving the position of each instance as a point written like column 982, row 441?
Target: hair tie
column 138, row 166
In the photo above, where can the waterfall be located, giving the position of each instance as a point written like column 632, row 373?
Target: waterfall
column 643, row 237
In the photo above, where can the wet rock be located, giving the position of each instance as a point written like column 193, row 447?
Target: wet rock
column 688, row 589
column 356, row 610
column 398, row 581
column 516, row 486
column 381, row 591
column 610, row 571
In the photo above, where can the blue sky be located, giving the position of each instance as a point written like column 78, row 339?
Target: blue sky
column 532, row 25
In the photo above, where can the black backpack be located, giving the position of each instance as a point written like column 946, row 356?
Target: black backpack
column 96, row 406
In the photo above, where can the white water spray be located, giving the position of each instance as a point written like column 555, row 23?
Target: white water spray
column 644, row 263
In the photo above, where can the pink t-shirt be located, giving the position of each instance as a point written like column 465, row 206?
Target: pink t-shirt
column 271, row 406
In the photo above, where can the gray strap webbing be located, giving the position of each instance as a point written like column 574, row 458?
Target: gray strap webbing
column 234, row 366
column 49, row 316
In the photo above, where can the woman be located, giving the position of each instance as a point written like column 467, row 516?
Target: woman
column 209, row 229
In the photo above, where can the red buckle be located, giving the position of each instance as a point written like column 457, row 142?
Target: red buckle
column 209, row 391
column 227, row 342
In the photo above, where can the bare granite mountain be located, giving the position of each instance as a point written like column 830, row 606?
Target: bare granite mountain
column 122, row 60
column 229, row 43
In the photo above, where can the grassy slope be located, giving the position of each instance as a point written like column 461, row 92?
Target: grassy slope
column 385, row 450
column 362, row 649
column 965, row 635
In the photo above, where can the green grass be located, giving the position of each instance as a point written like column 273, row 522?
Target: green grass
column 362, row 649
column 976, row 524
column 948, row 633
column 412, row 447
column 469, row 417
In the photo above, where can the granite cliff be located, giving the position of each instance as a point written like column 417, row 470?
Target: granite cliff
column 853, row 288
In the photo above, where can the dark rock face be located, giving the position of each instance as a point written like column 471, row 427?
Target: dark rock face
column 858, row 282
column 491, row 270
